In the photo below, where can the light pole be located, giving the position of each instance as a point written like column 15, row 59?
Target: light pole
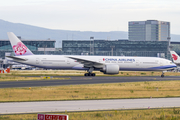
column 168, row 49
column 91, row 46
column 112, row 50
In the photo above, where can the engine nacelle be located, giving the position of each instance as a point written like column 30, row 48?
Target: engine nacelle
column 111, row 69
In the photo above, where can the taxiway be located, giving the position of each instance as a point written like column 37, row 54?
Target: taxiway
column 74, row 80
column 87, row 105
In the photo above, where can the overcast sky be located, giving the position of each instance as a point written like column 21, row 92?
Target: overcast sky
column 90, row 15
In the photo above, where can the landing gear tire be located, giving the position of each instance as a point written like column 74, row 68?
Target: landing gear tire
column 162, row 76
column 86, row 74
column 89, row 74
column 93, row 74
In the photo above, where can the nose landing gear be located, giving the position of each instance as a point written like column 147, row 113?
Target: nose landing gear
column 162, row 74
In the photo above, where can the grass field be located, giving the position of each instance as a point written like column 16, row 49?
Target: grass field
column 94, row 91
column 19, row 78
column 149, row 114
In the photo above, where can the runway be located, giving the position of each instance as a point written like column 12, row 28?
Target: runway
column 87, row 105
column 74, row 80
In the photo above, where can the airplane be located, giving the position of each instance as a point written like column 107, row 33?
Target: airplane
column 175, row 57
column 21, row 67
column 105, row 64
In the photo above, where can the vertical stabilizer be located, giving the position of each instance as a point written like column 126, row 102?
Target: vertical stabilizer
column 175, row 57
column 18, row 47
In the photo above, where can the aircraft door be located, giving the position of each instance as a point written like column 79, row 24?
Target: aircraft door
column 68, row 61
column 137, row 62
column 100, row 60
column 37, row 60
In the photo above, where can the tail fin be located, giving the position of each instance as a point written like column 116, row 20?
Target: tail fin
column 175, row 57
column 18, row 47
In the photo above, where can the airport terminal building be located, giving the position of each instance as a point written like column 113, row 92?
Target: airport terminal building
column 116, row 48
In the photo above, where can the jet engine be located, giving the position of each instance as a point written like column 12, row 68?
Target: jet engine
column 110, row 69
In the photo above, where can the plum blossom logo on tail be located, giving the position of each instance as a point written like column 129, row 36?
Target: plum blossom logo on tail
column 20, row 48
column 175, row 57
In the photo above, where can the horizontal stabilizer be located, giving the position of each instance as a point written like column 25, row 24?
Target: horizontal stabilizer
column 16, row 58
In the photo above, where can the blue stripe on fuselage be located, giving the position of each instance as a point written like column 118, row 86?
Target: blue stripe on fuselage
column 164, row 67
column 159, row 68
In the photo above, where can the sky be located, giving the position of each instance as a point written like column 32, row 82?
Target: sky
column 90, row 15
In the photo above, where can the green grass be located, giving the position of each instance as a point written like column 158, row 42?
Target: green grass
column 153, row 89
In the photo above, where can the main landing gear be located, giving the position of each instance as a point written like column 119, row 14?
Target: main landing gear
column 90, row 72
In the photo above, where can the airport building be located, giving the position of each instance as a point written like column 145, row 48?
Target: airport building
column 150, row 30
column 175, row 46
column 119, row 48
column 116, row 48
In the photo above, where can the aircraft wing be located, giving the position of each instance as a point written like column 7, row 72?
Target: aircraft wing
column 87, row 62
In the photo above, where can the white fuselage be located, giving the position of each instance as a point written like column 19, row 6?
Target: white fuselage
column 125, row 63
